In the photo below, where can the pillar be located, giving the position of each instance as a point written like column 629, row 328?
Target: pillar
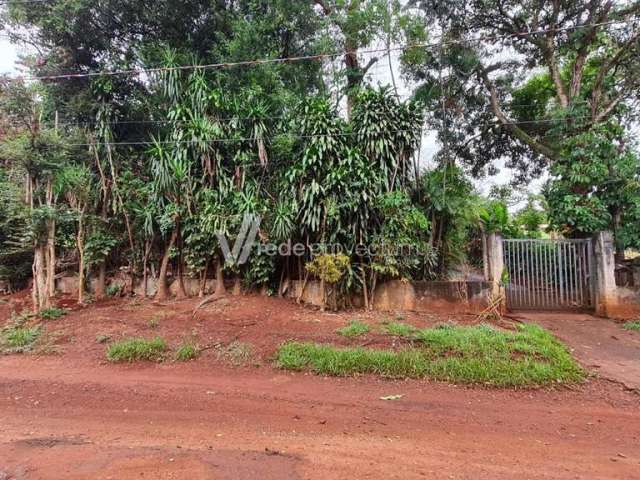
column 495, row 261
column 606, row 291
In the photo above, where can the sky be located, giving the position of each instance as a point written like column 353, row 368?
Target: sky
column 380, row 74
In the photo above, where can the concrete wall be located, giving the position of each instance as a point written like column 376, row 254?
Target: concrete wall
column 398, row 295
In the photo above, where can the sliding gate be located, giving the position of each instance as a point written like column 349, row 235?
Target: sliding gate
column 549, row 274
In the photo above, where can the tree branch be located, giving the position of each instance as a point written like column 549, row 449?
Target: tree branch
column 516, row 131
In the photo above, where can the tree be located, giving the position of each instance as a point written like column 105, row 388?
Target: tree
column 523, row 81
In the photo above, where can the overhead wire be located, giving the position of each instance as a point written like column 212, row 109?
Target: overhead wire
column 320, row 56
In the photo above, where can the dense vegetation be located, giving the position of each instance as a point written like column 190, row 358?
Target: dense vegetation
column 134, row 171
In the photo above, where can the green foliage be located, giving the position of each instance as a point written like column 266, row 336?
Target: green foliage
column 328, row 267
column 528, row 357
column 595, row 180
column 448, row 200
column 400, row 329
column 99, row 246
column 635, row 326
column 186, row 352
column 52, row 313
column 355, row 329
column 114, row 290
column 19, row 339
column 137, row 349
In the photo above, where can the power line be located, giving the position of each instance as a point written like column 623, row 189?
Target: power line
column 321, row 56
column 213, row 119
column 344, row 134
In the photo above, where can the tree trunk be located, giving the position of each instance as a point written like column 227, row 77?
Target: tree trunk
column 145, row 276
column 182, row 291
column 39, row 289
column 80, row 240
column 237, row 286
column 617, row 224
column 102, row 277
column 220, row 288
column 51, row 258
column 163, row 289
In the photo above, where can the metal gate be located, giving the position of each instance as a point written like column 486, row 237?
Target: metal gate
column 549, row 274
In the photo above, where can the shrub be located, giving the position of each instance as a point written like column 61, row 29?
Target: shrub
column 354, row 329
column 134, row 349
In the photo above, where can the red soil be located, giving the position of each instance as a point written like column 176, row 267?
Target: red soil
column 72, row 415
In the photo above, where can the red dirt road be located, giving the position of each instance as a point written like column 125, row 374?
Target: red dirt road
column 62, row 420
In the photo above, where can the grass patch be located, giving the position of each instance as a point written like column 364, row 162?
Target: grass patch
column 469, row 355
column 18, row 339
column 400, row 329
column 186, row 352
column 354, row 329
column 635, row 326
column 52, row 313
column 135, row 349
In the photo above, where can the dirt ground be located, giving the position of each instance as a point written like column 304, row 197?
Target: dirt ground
column 66, row 413
column 602, row 345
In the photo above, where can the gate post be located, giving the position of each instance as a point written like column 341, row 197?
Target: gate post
column 495, row 262
column 606, row 295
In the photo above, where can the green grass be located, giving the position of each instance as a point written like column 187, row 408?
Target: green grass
column 135, row 349
column 52, row 313
column 186, row 352
column 635, row 325
column 18, row 339
column 354, row 329
column 400, row 329
column 468, row 355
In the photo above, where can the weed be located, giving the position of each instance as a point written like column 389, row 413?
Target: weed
column 101, row 338
column 18, row 339
column 480, row 354
column 354, row 329
column 236, row 353
column 186, row 352
column 635, row 325
column 400, row 329
column 154, row 321
column 133, row 349
column 52, row 313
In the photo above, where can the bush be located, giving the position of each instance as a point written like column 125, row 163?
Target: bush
column 135, row 349
column 354, row 329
